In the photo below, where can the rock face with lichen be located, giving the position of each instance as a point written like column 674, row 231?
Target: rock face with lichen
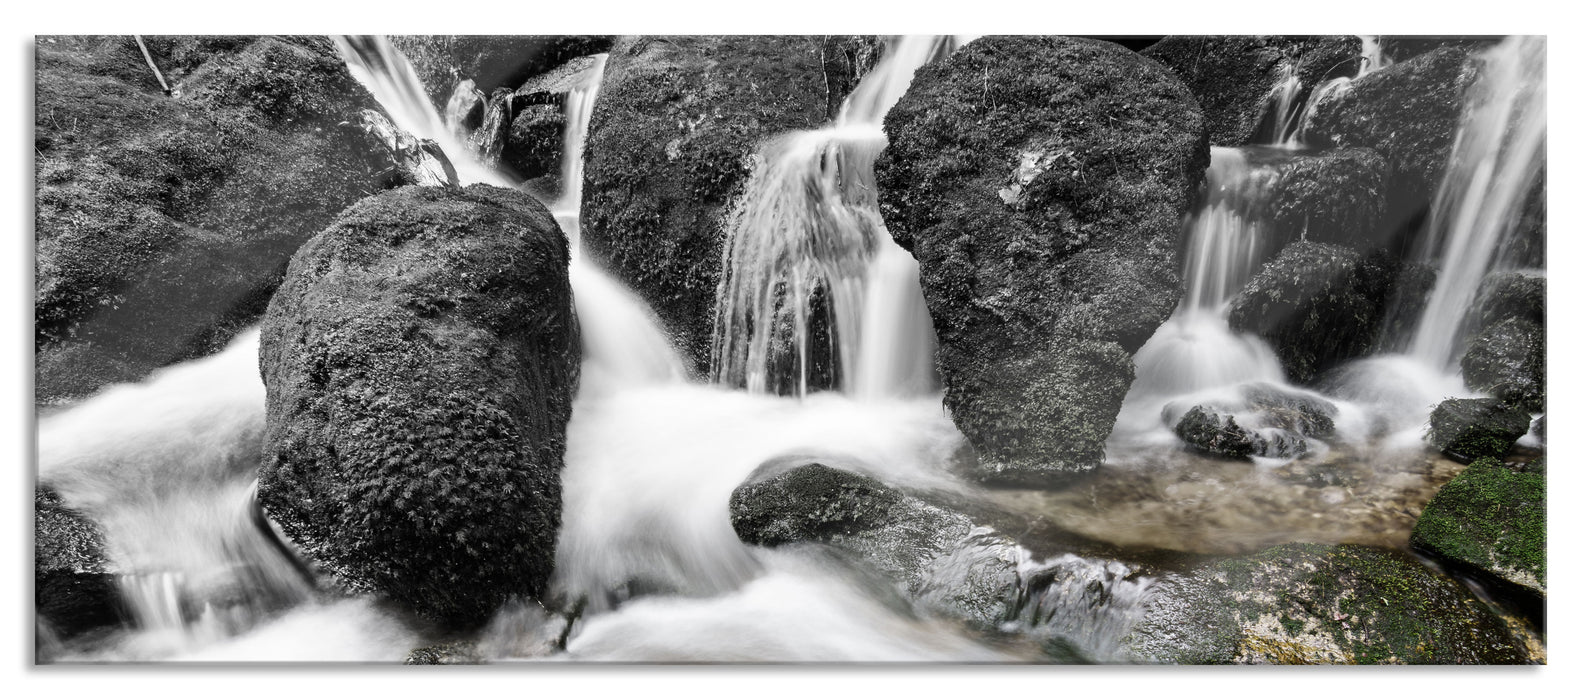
column 1040, row 183
column 1317, row 604
column 420, row 361
column 669, row 147
column 164, row 222
column 1490, row 520
column 1233, row 76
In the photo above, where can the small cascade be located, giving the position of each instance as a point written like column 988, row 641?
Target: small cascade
column 1283, row 106
column 1498, row 154
column 799, row 259
column 464, row 110
column 488, row 140
column 1373, row 57
column 578, row 108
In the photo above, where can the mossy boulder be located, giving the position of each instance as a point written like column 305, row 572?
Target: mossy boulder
column 420, row 361
column 74, row 581
column 1218, row 434
column 1319, row 604
column 1507, row 361
column 669, row 148
column 1509, row 296
column 1232, row 76
column 1469, row 429
column 162, row 222
column 1490, row 521
column 1409, row 113
column 1319, row 304
column 491, row 62
column 1040, row 182
column 1334, row 197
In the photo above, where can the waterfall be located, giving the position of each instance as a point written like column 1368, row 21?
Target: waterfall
column 579, row 111
column 1498, row 153
column 807, row 253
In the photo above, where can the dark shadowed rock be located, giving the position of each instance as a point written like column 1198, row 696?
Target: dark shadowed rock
column 1318, row 305
column 1490, row 520
column 1507, row 296
column 1217, row 434
column 1408, row 112
column 420, row 360
column 1040, row 183
column 1334, row 197
column 74, row 586
column 163, row 223
column 1467, row 429
column 1317, row 604
column 490, row 61
column 1507, row 361
column 677, row 120
column 1232, row 76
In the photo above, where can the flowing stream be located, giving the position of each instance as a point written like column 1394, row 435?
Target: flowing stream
column 823, row 351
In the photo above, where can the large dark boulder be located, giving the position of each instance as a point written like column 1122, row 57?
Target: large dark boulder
column 1317, row 604
column 1507, row 361
column 1509, row 296
column 490, row 61
column 1232, row 76
column 74, row 581
column 162, row 222
column 1040, row 182
column 1333, row 197
column 669, row 148
column 420, row 361
column 1490, row 521
column 1319, row 305
column 1469, row 429
column 1408, row 112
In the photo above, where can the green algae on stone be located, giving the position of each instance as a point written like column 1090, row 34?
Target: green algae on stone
column 1490, row 518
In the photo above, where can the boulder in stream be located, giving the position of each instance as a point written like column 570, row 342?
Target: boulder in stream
column 1467, row 429
column 1040, row 183
column 1490, row 521
column 1334, row 197
column 164, row 221
column 1319, row 604
column 1507, row 361
column 420, row 361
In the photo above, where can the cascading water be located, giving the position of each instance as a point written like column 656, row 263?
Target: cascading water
column 804, row 239
column 1498, row 154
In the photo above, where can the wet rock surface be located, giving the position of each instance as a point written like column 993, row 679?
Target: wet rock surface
column 1039, row 299
column 677, row 121
column 74, row 581
column 1467, row 429
column 1335, row 197
column 1232, row 76
column 1318, row 604
column 164, row 222
column 420, row 361
column 1491, row 520
column 1507, row 361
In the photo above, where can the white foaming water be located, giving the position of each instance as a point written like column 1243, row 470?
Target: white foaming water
column 1284, row 104
column 167, row 468
column 1498, row 154
column 803, row 238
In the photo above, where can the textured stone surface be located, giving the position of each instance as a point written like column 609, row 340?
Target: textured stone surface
column 1490, row 519
column 420, row 360
column 1467, row 429
column 74, row 587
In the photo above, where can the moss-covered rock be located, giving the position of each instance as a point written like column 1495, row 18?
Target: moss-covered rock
column 1218, row 434
column 1334, row 197
column 490, row 61
column 1040, row 183
column 1507, row 361
column 1468, row 429
column 1316, row 604
column 1509, row 296
column 1408, row 112
column 163, row 223
column 74, row 581
column 1490, row 520
column 420, row 361
column 1319, row 305
column 1232, row 76
column 668, row 149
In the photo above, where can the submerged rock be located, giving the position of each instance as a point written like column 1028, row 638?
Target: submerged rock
column 1507, row 361
column 1041, row 296
column 1318, row 604
column 491, row 62
column 1490, row 520
column 1317, row 305
column 74, row 581
column 164, row 222
column 1409, row 113
column 1232, row 76
column 1467, row 429
column 420, row 360
column 677, row 121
